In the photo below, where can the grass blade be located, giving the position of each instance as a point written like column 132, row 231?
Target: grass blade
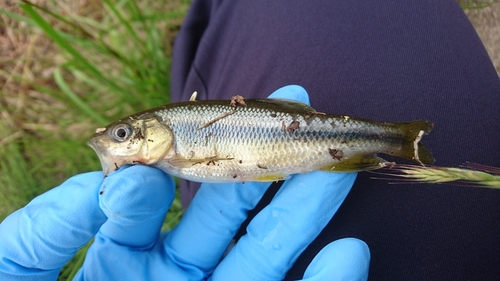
column 18, row 17
column 59, row 40
column 125, row 23
column 78, row 102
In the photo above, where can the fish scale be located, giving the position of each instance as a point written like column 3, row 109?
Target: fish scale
column 262, row 140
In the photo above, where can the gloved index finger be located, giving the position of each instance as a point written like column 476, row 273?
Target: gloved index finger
column 283, row 229
column 135, row 199
column 292, row 92
column 211, row 221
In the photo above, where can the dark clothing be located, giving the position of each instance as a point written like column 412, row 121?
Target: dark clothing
column 381, row 60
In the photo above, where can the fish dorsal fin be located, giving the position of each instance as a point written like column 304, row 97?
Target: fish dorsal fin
column 193, row 96
column 286, row 103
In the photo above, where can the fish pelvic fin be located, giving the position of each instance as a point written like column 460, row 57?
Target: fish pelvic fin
column 412, row 148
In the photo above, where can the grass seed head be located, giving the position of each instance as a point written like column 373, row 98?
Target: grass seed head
column 434, row 174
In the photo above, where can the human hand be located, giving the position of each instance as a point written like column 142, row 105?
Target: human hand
column 37, row 240
column 134, row 200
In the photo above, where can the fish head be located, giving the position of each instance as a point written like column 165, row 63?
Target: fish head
column 131, row 141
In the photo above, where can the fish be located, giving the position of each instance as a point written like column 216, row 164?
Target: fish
column 244, row 140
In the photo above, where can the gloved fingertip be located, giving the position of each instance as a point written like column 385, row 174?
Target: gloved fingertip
column 134, row 194
column 292, row 92
column 343, row 259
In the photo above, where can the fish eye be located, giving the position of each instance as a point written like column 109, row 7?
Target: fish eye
column 121, row 132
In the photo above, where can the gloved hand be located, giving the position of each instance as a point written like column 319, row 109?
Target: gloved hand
column 37, row 240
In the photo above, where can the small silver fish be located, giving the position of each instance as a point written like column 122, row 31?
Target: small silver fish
column 253, row 140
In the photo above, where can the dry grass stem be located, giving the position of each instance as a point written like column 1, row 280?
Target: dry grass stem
column 487, row 176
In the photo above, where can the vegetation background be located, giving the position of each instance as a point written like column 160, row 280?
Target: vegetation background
column 68, row 67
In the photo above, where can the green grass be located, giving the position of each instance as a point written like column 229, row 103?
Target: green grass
column 105, row 62
column 16, row 187
column 474, row 4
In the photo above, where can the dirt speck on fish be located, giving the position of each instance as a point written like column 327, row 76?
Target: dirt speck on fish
column 242, row 140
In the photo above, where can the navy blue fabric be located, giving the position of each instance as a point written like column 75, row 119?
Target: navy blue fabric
column 382, row 60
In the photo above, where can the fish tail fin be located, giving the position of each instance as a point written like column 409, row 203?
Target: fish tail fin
column 411, row 147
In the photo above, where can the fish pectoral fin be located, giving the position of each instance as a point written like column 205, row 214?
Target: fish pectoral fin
column 357, row 163
column 181, row 162
column 268, row 178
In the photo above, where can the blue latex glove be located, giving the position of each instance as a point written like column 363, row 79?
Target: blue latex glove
column 38, row 239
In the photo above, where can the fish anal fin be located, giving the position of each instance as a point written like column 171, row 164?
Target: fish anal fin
column 357, row 163
column 268, row 178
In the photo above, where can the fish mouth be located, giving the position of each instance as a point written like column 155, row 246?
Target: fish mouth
column 108, row 163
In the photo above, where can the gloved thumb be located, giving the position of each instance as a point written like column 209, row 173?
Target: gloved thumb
column 343, row 259
column 135, row 200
